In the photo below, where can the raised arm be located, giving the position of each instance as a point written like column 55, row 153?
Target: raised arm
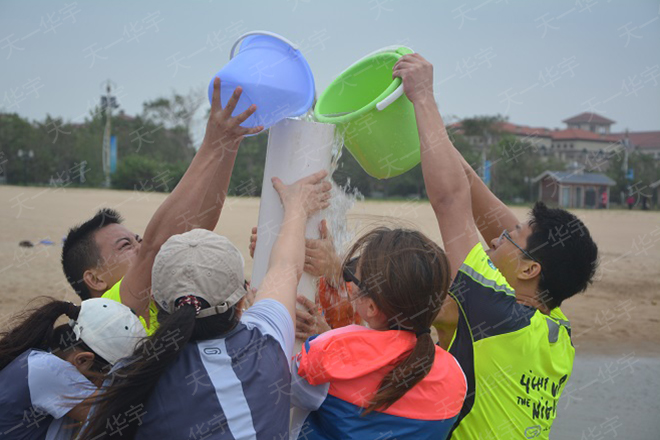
column 491, row 215
column 446, row 182
column 300, row 200
column 197, row 200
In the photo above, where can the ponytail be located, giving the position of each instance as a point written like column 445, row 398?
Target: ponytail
column 407, row 276
column 132, row 384
column 406, row 375
column 35, row 330
column 135, row 382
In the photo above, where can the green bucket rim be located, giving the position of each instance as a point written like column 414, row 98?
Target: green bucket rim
column 340, row 119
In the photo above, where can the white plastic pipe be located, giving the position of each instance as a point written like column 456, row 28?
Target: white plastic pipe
column 296, row 149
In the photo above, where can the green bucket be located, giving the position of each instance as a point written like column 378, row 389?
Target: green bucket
column 373, row 114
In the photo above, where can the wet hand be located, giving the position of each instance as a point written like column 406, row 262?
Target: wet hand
column 307, row 196
column 321, row 258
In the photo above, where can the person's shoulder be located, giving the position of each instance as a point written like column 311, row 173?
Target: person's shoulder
column 479, row 271
column 266, row 304
column 478, row 261
column 113, row 292
column 43, row 360
column 266, row 309
column 47, row 371
column 445, row 360
column 347, row 330
column 353, row 332
column 19, row 365
column 271, row 318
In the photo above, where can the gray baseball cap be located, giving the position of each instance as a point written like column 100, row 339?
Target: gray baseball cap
column 199, row 263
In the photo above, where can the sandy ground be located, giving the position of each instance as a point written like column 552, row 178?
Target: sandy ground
column 621, row 309
column 616, row 323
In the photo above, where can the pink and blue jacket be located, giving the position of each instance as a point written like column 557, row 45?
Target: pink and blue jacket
column 339, row 372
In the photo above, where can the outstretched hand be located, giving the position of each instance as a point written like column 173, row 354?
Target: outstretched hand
column 308, row 195
column 223, row 130
column 321, row 258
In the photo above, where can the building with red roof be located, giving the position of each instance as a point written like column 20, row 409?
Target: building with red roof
column 646, row 142
column 587, row 139
column 588, row 121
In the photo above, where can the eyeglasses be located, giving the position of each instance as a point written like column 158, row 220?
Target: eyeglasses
column 506, row 235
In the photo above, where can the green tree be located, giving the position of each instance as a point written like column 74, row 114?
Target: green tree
column 646, row 170
column 16, row 134
column 248, row 173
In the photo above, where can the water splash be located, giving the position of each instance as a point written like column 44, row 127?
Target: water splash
column 342, row 201
column 309, row 116
column 343, row 196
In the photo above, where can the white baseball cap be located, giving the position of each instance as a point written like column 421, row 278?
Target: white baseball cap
column 109, row 328
column 199, row 263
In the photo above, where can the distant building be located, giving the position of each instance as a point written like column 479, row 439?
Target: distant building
column 647, row 142
column 586, row 139
column 574, row 188
column 589, row 122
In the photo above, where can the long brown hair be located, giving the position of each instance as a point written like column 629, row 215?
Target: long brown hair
column 35, row 330
column 407, row 276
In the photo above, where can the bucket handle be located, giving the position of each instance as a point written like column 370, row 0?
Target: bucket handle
column 269, row 34
column 396, row 94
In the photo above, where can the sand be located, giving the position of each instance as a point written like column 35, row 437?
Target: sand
column 616, row 323
column 620, row 311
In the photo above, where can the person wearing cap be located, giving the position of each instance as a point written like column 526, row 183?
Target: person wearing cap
column 212, row 368
column 48, row 375
column 101, row 257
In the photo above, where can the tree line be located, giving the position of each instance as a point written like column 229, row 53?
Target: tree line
column 156, row 147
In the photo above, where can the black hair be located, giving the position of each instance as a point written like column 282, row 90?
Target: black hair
column 132, row 384
column 568, row 255
column 80, row 251
column 35, row 331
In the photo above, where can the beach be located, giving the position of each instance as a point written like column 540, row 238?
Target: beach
column 615, row 324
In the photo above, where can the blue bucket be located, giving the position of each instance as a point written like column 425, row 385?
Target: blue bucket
column 274, row 76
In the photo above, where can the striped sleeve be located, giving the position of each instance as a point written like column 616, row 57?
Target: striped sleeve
column 272, row 318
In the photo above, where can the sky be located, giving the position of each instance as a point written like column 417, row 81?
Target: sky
column 537, row 62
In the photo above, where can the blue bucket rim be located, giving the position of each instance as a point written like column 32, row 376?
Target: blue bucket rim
column 310, row 76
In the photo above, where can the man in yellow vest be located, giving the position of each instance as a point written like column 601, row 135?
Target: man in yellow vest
column 511, row 339
column 101, row 257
